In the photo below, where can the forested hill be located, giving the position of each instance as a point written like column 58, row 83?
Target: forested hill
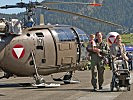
column 117, row 11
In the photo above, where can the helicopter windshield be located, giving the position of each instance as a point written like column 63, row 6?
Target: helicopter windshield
column 64, row 34
column 82, row 36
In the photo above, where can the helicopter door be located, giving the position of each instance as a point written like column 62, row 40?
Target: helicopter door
column 45, row 50
column 66, row 53
column 40, row 50
column 66, row 46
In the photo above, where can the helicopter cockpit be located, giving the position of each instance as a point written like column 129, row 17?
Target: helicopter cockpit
column 63, row 34
column 72, row 34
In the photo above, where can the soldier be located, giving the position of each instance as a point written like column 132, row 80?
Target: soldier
column 97, row 62
column 118, row 53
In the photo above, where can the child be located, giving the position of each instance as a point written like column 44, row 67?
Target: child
column 92, row 43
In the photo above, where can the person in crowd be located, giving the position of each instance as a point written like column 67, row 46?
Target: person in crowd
column 118, row 53
column 97, row 62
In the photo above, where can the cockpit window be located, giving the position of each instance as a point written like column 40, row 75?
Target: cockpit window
column 79, row 31
column 64, row 34
column 82, row 36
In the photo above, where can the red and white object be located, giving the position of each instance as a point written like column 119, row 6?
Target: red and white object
column 111, row 38
column 18, row 51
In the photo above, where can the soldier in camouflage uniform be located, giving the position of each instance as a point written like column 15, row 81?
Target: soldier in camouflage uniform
column 97, row 62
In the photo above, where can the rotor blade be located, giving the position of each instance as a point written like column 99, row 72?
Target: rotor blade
column 9, row 6
column 47, row 3
column 21, row 5
column 83, row 16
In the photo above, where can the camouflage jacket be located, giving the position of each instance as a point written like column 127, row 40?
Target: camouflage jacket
column 104, row 49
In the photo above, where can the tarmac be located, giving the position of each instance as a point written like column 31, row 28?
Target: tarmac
column 13, row 89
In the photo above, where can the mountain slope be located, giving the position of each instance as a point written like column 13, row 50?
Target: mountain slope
column 117, row 11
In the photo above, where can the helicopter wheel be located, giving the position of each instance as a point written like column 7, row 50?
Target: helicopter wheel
column 40, row 81
column 128, row 87
column 67, row 78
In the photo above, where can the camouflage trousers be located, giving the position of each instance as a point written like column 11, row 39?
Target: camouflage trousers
column 97, row 69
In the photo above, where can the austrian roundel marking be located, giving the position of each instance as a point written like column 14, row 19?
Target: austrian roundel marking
column 18, row 51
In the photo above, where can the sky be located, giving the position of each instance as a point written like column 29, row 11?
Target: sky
column 13, row 2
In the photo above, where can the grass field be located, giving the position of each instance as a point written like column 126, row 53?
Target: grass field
column 127, row 39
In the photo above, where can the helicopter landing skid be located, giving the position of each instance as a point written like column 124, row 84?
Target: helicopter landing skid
column 71, row 82
column 44, row 85
column 67, row 79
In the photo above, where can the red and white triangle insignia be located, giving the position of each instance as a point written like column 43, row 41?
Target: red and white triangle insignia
column 18, row 51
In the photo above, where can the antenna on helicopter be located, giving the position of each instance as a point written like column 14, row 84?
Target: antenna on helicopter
column 41, row 19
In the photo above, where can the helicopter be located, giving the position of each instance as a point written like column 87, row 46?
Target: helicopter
column 29, row 50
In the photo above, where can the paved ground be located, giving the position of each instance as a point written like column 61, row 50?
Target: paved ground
column 11, row 90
